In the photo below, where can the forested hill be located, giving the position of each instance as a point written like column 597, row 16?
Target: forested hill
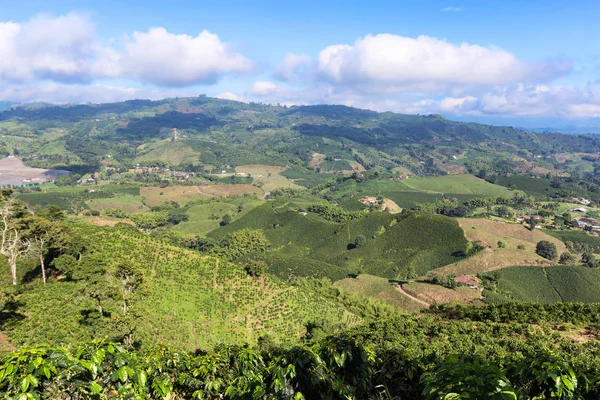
column 270, row 134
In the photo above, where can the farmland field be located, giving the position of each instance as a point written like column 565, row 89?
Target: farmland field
column 436, row 294
column 380, row 289
column 270, row 176
column 128, row 203
column 493, row 257
column 458, row 184
column 551, row 284
column 156, row 195
column 171, row 153
column 577, row 237
column 204, row 218
column 300, row 243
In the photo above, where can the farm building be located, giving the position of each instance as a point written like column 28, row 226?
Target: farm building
column 578, row 209
column 468, row 280
column 368, row 201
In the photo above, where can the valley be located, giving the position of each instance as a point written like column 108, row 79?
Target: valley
column 249, row 230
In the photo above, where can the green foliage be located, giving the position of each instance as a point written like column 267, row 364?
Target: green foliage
column 333, row 213
column 360, row 240
column 546, row 249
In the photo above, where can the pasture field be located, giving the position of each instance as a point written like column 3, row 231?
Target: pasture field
column 70, row 197
column 492, row 257
column 269, row 176
column 380, row 289
column 156, row 196
column 305, row 177
column 55, row 147
column 128, row 203
column 300, row 243
column 412, row 191
column 169, row 152
column 204, row 218
column 436, row 294
column 550, row 284
column 457, row 184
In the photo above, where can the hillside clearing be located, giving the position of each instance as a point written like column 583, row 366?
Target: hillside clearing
column 380, row 289
column 156, row 195
column 493, row 257
column 436, row 294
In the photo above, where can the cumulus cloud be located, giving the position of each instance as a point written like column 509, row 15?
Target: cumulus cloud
column 520, row 101
column 399, row 63
column 229, row 96
column 163, row 58
column 264, row 88
column 292, row 67
column 66, row 49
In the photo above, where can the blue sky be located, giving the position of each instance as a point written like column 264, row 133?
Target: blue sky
column 515, row 62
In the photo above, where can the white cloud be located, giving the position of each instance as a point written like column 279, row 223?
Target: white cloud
column 521, row 101
column 291, row 68
column 263, row 88
column 63, row 49
column 452, row 9
column 66, row 49
column 229, row 96
column 163, row 58
column 400, row 64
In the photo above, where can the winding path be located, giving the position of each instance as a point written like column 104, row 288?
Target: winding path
column 410, row 296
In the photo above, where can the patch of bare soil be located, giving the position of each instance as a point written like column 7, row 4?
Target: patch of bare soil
column 14, row 172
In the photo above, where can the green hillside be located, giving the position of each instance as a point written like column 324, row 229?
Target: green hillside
column 182, row 298
column 394, row 243
column 549, row 284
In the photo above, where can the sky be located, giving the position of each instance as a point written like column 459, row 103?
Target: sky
column 531, row 64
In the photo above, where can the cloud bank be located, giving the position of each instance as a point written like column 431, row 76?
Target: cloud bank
column 66, row 49
column 62, row 59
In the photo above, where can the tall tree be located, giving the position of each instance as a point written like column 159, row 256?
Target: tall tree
column 13, row 245
column 42, row 232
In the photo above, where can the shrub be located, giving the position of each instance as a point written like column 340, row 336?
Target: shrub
column 225, row 220
column 546, row 249
column 501, row 244
column 567, row 259
column 360, row 240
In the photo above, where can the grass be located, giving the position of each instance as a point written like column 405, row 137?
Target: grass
column 68, row 197
column 493, row 257
column 201, row 217
column 169, row 152
column 156, row 195
column 550, row 284
column 128, row 203
column 54, row 147
column 436, row 294
column 458, row 184
column 270, row 176
column 380, row 289
column 305, row 177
